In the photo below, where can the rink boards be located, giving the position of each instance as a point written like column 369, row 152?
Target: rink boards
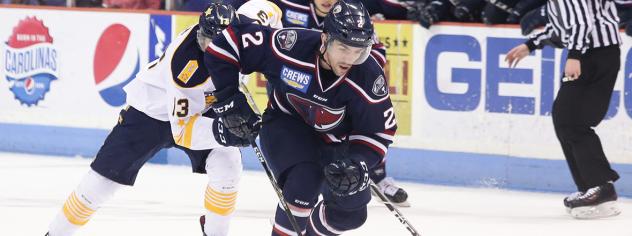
column 464, row 117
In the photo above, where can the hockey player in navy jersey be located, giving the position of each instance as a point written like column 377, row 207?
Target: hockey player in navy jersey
column 310, row 14
column 329, row 119
column 169, row 103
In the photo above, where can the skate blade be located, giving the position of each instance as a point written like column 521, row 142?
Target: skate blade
column 606, row 209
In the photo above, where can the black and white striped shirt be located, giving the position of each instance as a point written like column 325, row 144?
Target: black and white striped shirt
column 579, row 25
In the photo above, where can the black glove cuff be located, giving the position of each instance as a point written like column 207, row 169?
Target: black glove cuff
column 574, row 54
column 531, row 45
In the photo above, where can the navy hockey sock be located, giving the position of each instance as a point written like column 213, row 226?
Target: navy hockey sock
column 326, row 220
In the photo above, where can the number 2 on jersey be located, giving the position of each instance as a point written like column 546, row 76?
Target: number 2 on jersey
column 247, row 39
column 390, row 118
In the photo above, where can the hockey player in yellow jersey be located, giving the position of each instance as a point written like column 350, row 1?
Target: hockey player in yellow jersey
column 168, row 106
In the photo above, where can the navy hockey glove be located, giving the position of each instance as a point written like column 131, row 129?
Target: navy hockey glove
column 237, row 116
column 347, row 177
column 225, row 137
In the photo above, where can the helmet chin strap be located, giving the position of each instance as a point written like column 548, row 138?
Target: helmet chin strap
column 322, row 55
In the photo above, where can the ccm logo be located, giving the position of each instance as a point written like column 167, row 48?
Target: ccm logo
column 224, row 108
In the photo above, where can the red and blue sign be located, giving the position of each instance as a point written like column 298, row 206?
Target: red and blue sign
column 116, row 62
column 30, row 61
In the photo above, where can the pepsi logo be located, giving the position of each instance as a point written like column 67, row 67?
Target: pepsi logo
column 29, row 85
column 116, row 62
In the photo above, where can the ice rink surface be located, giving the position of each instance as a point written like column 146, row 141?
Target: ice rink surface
column 167, row 200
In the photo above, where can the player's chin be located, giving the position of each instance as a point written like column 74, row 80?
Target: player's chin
column 342, row 69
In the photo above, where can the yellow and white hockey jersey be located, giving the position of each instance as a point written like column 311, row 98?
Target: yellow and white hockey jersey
column 177, row 87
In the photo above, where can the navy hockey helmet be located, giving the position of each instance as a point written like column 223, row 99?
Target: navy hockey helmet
column 216, row 18
column 350, row 23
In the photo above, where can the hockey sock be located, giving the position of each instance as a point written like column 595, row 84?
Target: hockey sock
column 93, row 191
column 223, row 167
column 326, row 220
column 301, row 187
column 282, row 225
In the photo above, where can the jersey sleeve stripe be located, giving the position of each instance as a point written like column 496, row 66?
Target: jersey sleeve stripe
column 379, row 58
column 372, row 143
column 229, row 34
column 221, row 53
column 287, row 58
column 390, row 132
column 394, row 3
column 295, row 5
column 385, row 136
column 360, row 91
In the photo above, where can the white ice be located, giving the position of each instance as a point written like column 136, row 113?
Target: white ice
column 167, row 200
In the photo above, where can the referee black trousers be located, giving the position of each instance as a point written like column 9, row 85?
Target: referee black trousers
column 579, row 106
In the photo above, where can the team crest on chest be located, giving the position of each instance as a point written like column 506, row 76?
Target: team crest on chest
column 296, row 79
column 319, row 116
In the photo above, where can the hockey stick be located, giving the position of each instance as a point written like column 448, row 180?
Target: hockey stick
column 504, row 7
column 265, row 166
column 394, row 210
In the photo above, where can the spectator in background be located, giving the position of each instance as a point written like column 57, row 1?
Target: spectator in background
column 36, row 2
column 624, row 7
column 200, row 5
column 508, row 11
column 132, row 4
column 428, row 12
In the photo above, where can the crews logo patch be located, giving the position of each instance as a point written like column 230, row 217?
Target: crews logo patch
column 296, row 18
column 296, row 79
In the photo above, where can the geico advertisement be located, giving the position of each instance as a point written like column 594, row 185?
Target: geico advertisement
column 471, row 101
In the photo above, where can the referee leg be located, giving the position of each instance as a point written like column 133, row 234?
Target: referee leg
column 579, row 106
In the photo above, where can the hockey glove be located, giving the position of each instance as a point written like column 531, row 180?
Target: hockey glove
column 237, row 116
column 225, row 137
column 347, row 177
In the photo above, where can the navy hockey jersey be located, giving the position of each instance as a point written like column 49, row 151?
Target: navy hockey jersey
column 355, row 106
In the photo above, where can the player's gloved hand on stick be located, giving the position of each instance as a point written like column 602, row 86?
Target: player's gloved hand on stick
column 347, row 176
column 227, row 138
column 237, row 116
